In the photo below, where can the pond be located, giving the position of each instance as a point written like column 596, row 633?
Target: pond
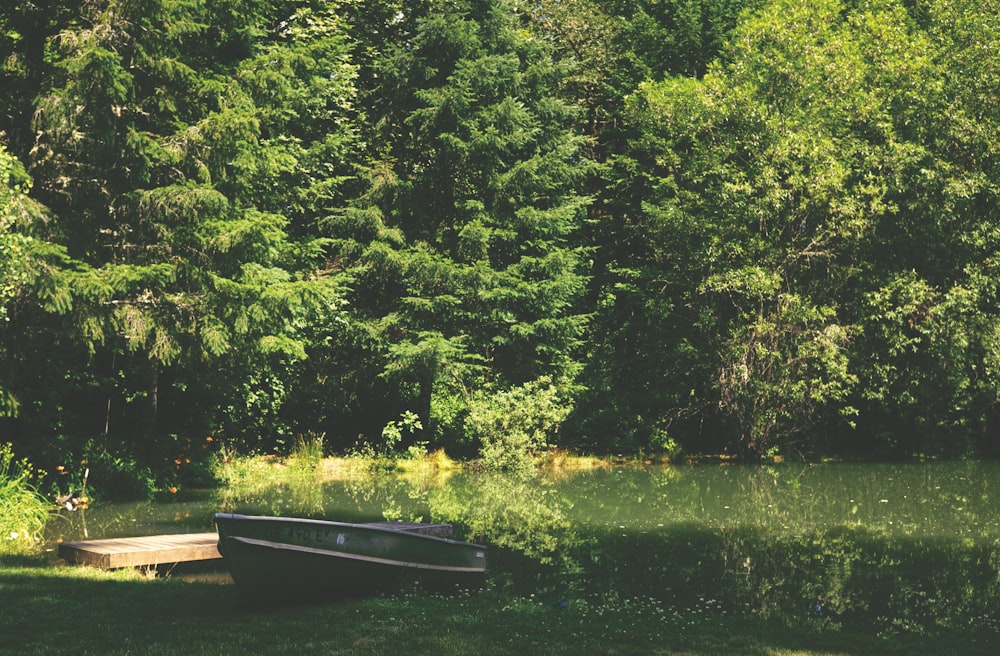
column 912, row 547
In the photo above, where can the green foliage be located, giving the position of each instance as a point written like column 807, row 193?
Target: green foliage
column 243, row 477
column 307, row 452
column 185, row 202
column 394, row 431
column 17, row 248
column 663, row 444
column 778, row 194
column 117, row 477
column 754, row 227
column 23, row 511
column 13, row 246
column 514, row 426
column 464, row 264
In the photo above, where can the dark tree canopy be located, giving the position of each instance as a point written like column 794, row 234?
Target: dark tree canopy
column 495, row 226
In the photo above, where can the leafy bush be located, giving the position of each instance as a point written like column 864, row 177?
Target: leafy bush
column 23, row 511
column 514, row 426
column 119, row 477
column 393, row 433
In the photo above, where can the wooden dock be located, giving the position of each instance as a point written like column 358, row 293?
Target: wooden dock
column 154, row 550
column 150, row 550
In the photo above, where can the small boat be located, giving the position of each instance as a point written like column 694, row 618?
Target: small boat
column 306, row 558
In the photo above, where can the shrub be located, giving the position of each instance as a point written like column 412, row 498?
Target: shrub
column 395, row 431
column 514, row 426
column 23, row 511
column 118, row 477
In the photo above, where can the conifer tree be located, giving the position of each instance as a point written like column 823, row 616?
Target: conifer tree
column 183, row 149
column 14, row 248
column 463, row 252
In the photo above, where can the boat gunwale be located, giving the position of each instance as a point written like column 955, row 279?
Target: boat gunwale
column 350, row 525
column 268, row 544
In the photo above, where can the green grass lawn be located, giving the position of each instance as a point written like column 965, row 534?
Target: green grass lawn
column 46, row 609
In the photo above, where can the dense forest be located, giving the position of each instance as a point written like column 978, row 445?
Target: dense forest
column 497, row 226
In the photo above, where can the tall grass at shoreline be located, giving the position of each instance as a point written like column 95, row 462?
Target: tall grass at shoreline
column 308, row 459
column 242, row 477
column 23, row 511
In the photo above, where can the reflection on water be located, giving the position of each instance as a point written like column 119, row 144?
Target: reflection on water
column 898, row 547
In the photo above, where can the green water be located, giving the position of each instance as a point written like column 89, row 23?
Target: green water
column 911, row 547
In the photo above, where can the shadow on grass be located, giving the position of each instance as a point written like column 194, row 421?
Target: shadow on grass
column 73, row 610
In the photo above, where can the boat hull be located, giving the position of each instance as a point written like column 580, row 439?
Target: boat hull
column 303, row 558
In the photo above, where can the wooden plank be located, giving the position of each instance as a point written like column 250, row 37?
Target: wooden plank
column 142, row 551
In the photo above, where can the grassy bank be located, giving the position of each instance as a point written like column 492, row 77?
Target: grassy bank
column 23, row 511
column 248, row 475
column 49, row 610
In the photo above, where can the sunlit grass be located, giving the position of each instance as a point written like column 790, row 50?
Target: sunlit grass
column 307, row 452
column 23, row 511
column 418, row 459
column 249, row 475
column 559, row 459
